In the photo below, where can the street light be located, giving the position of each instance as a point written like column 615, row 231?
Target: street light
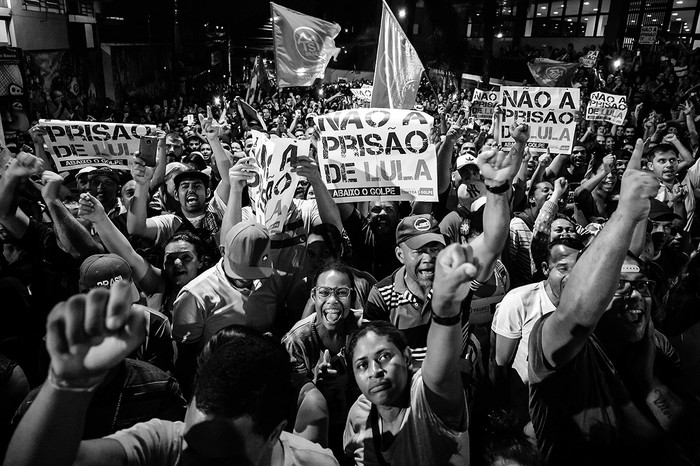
column 402, row 13
column 499, row 35
column 617, row 63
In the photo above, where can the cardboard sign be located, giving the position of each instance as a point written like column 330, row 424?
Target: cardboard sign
column 648, row 34
column 607, row 107
column 78, row 144
column 483, row 104
column 378, row 154
column 364, row 93
column 590, row 59
column 549, row 111
column 274, row 194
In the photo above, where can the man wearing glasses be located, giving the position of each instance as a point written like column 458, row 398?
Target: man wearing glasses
column 600, row 379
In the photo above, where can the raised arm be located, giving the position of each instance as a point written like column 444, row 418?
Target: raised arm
column 212, row 129
column 138, row 208
column 687, row 159
column 145, row 275
column 19, row 168
column 86, row 336
column 593, row 280
column 557, row 167
column 444, row 155
column 161, row 162
column 327, row 209
column 454, row 269
column 606, row 167
column 71, row 235
column 238, row 176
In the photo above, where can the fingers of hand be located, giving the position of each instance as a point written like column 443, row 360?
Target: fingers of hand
column 635, row 162
column 95, row 306
column 118, row 305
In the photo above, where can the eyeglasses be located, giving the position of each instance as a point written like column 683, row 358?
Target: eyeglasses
column 644, row 287
column 325, row 292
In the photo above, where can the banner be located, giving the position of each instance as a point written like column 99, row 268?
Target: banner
column 364, row 93
column 259, row 83
column 549, row 111
column 647, row 35
column 607, row 107
column 483, row 104
column 551, row 72
column 275, row 193
column 369, row 154
column 398, row 69
column 590, row 59
column 79, row 144
column 303, row 46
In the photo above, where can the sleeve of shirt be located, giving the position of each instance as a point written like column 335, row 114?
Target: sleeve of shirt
column 449, row 227
column 165, row 226
column 375, row 307
column 295, row 349
column 217, row 206
column 153, row 443
column 538, row 367
column 188, row 321
column 507, row 320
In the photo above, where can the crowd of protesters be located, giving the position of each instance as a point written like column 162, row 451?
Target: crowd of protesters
column 544, row 311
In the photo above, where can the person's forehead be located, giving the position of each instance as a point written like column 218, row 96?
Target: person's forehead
column 576, row 148
column 562, row 222
column 665, row 155
column 544, row 185
column 370, row 344
column 339, row 278
column 561, row 252
column 662, row 223
column 103, row 179
column 192, row 182
column 179, row 247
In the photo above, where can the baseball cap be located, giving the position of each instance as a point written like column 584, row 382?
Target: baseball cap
column 104, row 171
column 191, row 175
column 311, row 115
column 661, row 212
column 172, row 166
column 247, row 252
column 105, row 270
column 85, row 171
column 464, row 160
column 418, row 230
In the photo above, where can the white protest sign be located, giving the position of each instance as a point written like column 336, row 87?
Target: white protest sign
column 364, row 93
column 607, row 107
column 647, row 35
column 590, row 59
column 78, row 144
column 275, row 194
column 483, row 103
column 378, row 154
column 549, row 111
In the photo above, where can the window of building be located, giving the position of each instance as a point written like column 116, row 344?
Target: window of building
column 49, row 6
column 569, row 18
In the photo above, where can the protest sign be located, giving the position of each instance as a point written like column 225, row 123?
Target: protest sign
column 378, row 154
column 607, row 107
column 549, row 111
column 79, row 144
column 275, row 193
column 364, row 93
column 483, row 103
column 647, row 35
column 590, row 59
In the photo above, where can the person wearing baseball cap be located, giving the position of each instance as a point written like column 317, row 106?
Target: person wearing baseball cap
column 104, row 185
column 669, row 240
column 403, row 298
column 82, row 180
column 242, row 288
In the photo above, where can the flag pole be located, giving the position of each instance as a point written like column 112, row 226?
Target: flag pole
column 274, row 45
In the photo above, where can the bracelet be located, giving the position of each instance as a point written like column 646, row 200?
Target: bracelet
column 498, row 189
column 64, row 385
column 446, row 321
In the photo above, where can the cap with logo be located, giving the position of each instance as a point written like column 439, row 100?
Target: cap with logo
column 661, row 212
column 247, row 252
column 104, row 270
column 464, row 160
column 174, row 167
column 418, row 230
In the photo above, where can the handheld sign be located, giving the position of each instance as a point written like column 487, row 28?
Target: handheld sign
column 378, row 154
column 607, row 107
column 78, row 144
column 483, row 104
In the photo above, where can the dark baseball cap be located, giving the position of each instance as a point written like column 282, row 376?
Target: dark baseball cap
column 661, row 212
column 418, row 230
column 191, row 175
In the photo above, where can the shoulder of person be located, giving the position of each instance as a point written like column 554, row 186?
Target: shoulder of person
column 304, row 452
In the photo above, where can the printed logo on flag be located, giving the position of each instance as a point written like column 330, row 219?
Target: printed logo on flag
column 308, row 43
column 555, row 72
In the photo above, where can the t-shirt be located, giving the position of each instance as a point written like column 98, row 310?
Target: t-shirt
column 519, row 252
column 287, row 248
column 423, row 439
column 516, row 316
column 160, row 443
column 211, row 302
column 167, row 224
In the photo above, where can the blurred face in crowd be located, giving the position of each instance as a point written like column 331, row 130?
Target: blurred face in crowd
column 332, row 297
column 557, row 269
column 420, row 263
column 619, row 132
column 489, row 144
column 381, row 371
column 468, row 148
column 609, row 182
column 192, row 195
column 384, row 217
column 629, row 132
column 600, row 130
column 205, row 150
column 104, row 188
column 609, row 143
column 600, row 139
column 661, row 233
column 317, row 254
column 127, row 192
column 665, row 166
column 249, row 142
column 579, row 157
column 621, row 166
column 542, row 192
column 173, row 148
column 628, row 313
column 82, row 182
column 180, row 262
column 194, row 144
column 562, row 228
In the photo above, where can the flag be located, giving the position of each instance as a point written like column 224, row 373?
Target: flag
column 551, row 72
column 252, row 116
column 397, row 70
column 303, row 46
column 259, row 82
